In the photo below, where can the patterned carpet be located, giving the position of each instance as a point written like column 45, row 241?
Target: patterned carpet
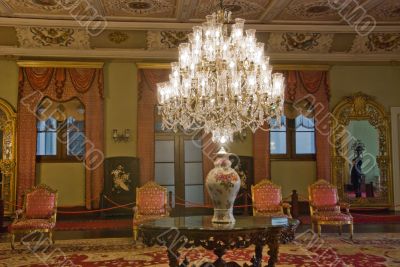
column 370, row 250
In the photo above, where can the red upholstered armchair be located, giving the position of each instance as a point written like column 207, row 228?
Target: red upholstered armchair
column 151, row 204
column 325, row 207
column 267, row 200
column 38, row 213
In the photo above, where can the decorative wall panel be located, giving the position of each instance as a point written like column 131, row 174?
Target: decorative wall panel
column 377, row 43
column 40, row 37
column 300, row 42
column 165, row 39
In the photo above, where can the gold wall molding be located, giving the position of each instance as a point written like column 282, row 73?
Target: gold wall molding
column 8, row 160
column 60, row 64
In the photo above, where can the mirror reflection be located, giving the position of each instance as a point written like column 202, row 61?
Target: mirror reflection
column 362, row 172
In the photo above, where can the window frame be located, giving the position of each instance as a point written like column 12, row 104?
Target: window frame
column 61, row 155
column 291, row 154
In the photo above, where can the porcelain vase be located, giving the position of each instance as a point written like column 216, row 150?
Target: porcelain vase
column 223, row 184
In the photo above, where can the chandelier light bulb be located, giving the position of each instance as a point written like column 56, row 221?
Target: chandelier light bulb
column 222, row 83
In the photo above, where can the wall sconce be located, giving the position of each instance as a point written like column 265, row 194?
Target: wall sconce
column 123, row 137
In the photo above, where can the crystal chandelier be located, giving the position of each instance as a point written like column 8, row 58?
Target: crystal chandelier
column 223, row 83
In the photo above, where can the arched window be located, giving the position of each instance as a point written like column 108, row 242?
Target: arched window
column 294, row 137
column 60, row 131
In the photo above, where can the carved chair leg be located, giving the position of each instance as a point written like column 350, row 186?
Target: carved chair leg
column 312, row 227
column 51, row 239
column 12, row 240
column 135, row 233
column 351, row 231
column 340, row 229
column 319, row 229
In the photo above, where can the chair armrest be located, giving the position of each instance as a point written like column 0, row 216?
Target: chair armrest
column 345, row 205
column 286, row 206
column 18, row 213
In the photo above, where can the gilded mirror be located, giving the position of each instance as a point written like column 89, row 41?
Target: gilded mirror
column 7, row 156
column 361, row 166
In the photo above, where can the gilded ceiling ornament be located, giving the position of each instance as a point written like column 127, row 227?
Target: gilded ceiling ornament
column 240, row 8
column 300, row 42
column 38, row 37
column 309, row 9
column 166, row 39
column 42, row 5
column 140, row 7
column 377, row 42
column 389, row 10
column 118, row 37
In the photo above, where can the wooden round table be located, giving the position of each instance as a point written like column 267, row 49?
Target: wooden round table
column 195, row 231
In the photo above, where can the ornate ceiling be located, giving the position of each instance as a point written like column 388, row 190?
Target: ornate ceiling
column 294, row 30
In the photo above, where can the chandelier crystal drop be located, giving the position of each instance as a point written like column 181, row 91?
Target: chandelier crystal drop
column 223, row 83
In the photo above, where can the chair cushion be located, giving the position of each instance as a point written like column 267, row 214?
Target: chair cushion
column 39, row 204
column 32, row 224
column 273, row 214
column 266, row 195
column 151, row 202
column 332, row 216
column 322, row 197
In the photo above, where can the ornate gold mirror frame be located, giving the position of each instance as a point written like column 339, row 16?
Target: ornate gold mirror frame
column 361, row 107
column 8, row 157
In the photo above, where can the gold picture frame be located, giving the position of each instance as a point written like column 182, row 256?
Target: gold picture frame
column 359, row 107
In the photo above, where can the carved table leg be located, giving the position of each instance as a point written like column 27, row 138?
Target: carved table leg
column 219, row 262
column 173, row 257
column 273, row 245
column 257, row 259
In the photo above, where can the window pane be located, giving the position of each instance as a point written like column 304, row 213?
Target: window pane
column 76, row 144
column 304, row 123
column 165, row 173
column 46, row 143
column 193, row 150
column 278, row 142
column 305, row 143
column 75, row 137
column 194, row 194
column 194, row 173
column 164, row 151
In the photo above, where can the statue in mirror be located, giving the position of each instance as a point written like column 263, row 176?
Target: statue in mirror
column 361, row 166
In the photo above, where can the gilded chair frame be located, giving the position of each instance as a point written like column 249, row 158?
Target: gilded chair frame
column 137, row 216
column 283, row 206
column 362, row 107
column 20, row 215
column 313, row 210
column 8, row 160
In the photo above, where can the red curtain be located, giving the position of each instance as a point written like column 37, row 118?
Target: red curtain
column 301, row 85
column 261, row 155
column 61, row 84
column 148, row 80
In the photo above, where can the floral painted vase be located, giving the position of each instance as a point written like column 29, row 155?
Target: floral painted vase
column 223, row 184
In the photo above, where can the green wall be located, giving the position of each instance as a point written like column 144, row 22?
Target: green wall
column 67, row 178
column 9, row 81
column 383, row 82
column 120, row 81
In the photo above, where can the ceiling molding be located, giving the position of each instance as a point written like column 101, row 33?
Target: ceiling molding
column 121, row 25
column 170, row 55
column 274, row 9
column 60, row 64
column 5, row 8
